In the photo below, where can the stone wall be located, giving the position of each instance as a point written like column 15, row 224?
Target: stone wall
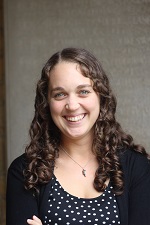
column 117, row 32
column 2, row 122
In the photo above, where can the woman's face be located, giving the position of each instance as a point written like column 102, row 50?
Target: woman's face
column 74, row 105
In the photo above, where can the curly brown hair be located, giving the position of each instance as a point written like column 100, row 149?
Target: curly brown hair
column 109, row 138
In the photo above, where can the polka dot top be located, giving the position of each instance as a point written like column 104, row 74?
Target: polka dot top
column 64, row 208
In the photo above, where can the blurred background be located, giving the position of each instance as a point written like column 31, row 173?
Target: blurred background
column 117, row 32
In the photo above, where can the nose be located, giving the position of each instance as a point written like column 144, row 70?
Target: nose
column 72, row 103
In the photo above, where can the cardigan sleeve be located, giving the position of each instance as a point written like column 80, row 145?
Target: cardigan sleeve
column 139, row 191
column 20, row 203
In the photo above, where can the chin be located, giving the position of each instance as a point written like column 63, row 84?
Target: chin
column 77, row 136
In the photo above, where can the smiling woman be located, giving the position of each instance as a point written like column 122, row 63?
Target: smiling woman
column 80, row 167
column 72, row 101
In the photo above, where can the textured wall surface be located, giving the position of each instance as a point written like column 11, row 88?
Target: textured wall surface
column 117, row 32
column 2, row 123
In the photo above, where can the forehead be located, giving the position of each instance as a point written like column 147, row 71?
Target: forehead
column 67, row 73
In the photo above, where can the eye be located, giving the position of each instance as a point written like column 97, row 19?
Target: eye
column 84, row 92
column 59, row 96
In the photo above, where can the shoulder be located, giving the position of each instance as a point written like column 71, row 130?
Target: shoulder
column 129, row 157
column 17, row 167
column 135, row 165
column 19, row 162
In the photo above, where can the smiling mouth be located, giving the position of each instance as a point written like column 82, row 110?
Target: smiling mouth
column 75, row 118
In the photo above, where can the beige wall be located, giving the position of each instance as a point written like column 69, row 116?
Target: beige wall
column 116, row 31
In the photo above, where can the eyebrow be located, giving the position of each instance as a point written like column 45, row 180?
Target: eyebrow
column 57, row 89
column 83, row 86
column 78, row 87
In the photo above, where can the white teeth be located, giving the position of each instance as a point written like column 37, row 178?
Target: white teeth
column 75, row 118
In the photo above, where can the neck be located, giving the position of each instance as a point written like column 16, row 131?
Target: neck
column 77, row 148
column 80, row 147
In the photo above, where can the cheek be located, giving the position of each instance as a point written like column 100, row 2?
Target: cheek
column 95, row 108
column 54, row 111
column 55, row 108
column 95, row 103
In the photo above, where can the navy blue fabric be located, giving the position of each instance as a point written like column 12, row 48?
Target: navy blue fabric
column 133, row 204
column 64, row 208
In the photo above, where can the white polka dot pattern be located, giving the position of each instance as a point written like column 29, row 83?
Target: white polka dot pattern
column 64, row 208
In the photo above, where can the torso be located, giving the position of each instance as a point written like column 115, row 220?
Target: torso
column 72, row 180
column 64, row 208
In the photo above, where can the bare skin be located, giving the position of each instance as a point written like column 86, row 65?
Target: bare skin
column 72, row 103
column 74, row 107
column 34, row 221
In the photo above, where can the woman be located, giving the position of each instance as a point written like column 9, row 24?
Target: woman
column 80, row 166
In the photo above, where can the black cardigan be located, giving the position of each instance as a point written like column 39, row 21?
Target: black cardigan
column 134, row 203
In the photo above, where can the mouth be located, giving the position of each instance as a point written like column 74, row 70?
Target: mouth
column 75, row 118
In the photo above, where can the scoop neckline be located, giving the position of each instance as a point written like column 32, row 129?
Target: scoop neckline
column 80, row 198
